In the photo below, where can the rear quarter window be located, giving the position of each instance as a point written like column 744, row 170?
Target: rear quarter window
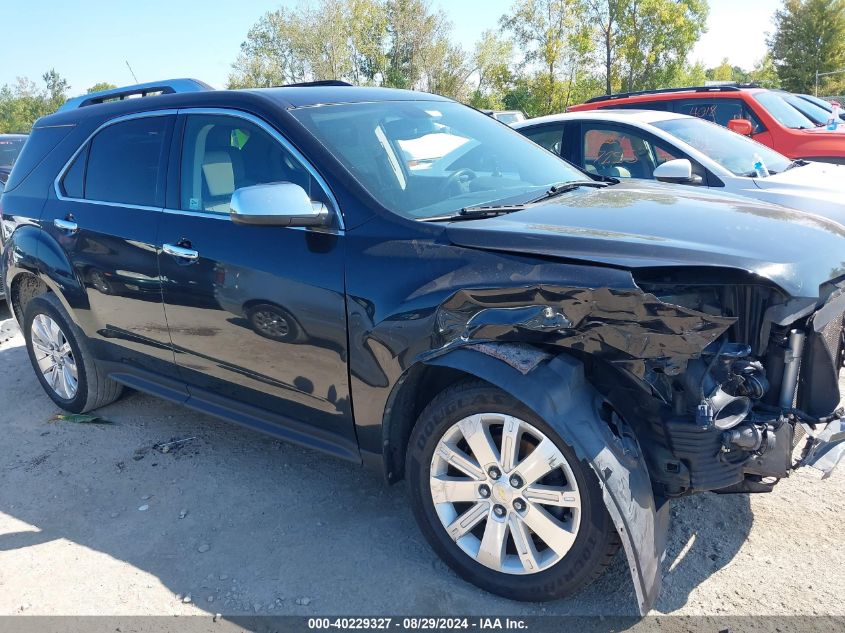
column 72, row 184
column 40, row 143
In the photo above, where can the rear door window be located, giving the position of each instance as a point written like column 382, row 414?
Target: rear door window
column 719, row 111
column 126, row 161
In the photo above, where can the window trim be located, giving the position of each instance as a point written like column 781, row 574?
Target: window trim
column 127, row 117
column 279, row 138
column 261, row 123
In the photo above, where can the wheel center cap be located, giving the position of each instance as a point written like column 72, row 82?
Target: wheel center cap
column 502, row 492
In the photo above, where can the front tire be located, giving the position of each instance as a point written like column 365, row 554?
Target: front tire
column 503, row 500
column 62, row 360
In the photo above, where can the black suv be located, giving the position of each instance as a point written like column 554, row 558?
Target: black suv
column 397, row 279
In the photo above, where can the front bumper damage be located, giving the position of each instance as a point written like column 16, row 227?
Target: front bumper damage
column 825, row 448
column 547, row 337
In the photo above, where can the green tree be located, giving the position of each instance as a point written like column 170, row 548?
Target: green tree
column 24, row 102
column 609, row 17
column 689, row 75
column 492, row 65
column 722, row 72
column 398, row 43
column 100, row 86
column 555, row 39
column 809, row 38
column 765, row 73
column 657, row 36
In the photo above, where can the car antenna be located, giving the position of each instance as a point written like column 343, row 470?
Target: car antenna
column 131, row 71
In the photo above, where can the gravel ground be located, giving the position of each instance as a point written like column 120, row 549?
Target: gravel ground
column 94, row 519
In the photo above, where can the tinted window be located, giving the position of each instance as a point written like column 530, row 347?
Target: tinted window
column 10, row 147
column 816, row 114
column 785, row 114
column 125, row 162
column 40, row 143
column 72, row 183
column 549, row 137
column 719, row 111
column 221, row 154
column 609, row 151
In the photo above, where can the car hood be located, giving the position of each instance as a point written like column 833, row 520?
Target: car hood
column 838, row 134
column 815, row 187
column 637, row 224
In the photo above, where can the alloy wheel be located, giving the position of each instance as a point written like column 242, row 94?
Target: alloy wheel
column 505, row 493
column 54, row 356
column 271, row 324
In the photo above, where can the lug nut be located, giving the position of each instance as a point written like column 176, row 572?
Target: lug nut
column 516, row 481
column 518, row 505
column 494, row 472
column 498, row 510
column 484, row 491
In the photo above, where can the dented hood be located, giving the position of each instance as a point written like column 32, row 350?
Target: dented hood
column 636, row 224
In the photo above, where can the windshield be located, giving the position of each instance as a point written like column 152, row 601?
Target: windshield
column 734, row 152
column 813, row 112
column 824, row 105
column 10, row 147
column 427, row 158
column 784, row 113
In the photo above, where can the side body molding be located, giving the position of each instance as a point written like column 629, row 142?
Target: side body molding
column 558, row 391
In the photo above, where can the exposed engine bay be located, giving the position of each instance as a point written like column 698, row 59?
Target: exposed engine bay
column 758, row 402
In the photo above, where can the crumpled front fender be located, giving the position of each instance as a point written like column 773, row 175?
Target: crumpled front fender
column 557, row 390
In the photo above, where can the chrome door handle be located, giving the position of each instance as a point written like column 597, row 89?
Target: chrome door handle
column 180, row 251
column 66, row 225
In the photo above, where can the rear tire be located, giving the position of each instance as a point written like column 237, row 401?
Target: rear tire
column 62, row 360
column 525, row 556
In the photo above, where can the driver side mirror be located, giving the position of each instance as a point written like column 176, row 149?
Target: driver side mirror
column 277, row 204
column 678, row 171
column 741, row 126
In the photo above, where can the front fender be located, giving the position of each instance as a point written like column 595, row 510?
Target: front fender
column 557, row 390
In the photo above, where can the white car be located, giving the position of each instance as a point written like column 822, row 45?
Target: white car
column 687, row 150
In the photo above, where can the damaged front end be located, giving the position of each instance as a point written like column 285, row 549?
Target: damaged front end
column 763, row 399
column 725, row 383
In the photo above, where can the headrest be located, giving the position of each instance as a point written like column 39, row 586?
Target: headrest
column 610, row 151
column 218, row 172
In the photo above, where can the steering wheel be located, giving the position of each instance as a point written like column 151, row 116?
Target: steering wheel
column 455, row 178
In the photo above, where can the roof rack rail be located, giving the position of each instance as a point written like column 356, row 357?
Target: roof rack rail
column 625, row 95
column 167, row 86
column 321, row 82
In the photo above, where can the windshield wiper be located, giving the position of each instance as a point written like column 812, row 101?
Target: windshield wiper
column 492, row 210
column 795, row 163
column 473, row 213
column 556, row 190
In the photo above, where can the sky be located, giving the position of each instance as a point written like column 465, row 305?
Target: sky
column 88, row 41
